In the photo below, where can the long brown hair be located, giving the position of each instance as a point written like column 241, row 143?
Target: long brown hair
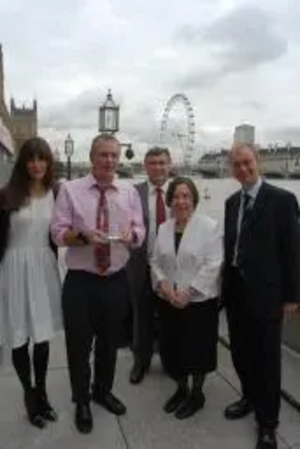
column 17, row 191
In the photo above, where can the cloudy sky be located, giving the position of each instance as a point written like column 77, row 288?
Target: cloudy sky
column 237, row 61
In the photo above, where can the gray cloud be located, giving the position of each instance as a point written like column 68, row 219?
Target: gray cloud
column 241, row 40
column 80, row 112
column 285, row 134
column 245, row 38
column 234, row 63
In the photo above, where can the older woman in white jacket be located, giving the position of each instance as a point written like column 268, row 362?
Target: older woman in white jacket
column 185, row 268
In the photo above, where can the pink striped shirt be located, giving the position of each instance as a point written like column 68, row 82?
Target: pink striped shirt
column 76, row 209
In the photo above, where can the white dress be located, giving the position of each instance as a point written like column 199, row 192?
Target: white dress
column 30, row 286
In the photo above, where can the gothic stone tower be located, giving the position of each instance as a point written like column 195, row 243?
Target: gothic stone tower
column 21, row 122
column 24, row 122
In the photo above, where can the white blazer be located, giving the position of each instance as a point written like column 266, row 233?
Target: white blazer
column 198, row 261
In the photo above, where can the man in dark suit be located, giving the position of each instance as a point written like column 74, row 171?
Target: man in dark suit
column 260, row 283
column 152, row 193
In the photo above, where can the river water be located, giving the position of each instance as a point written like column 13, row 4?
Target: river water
column 213, row 192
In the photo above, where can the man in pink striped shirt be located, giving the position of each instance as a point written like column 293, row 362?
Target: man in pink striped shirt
column 98, row 219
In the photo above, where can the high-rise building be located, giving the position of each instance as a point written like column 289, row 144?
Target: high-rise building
column 244, row 134
column 21, row 122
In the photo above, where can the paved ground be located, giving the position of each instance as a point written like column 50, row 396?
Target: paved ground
column 146, row 426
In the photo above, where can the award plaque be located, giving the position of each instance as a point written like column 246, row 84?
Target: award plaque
column 114, row 234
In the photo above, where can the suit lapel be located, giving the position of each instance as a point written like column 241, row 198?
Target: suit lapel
column 144, row 194
column 233, row 213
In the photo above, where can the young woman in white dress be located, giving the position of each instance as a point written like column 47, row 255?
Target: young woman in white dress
column 30, row 286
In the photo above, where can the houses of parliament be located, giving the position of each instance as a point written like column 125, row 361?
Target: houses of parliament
column 20, row 122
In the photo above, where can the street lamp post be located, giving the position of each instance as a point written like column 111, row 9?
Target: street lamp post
column 109, row 122
column 69, row 151
column 109, row 116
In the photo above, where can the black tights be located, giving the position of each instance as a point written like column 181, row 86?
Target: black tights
column 198, row 381
column 22, row 364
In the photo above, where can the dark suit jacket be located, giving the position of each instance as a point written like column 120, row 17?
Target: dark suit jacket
column 270, row 258
column 138, row 264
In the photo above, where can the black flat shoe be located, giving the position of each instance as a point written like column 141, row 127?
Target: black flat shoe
column 33, row 413
column 83, row 418
column 190, row 406
column 176, row 400
column 45, row 409
column 137, row 374
column 238, row 409
column 110, row 403
column 266, row 439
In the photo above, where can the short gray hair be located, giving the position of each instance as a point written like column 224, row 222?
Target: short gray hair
column 241, row 145
column 157, row 151
column 102, row 138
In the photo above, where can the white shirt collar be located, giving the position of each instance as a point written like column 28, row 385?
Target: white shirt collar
column 253, row 190
column 152, row 187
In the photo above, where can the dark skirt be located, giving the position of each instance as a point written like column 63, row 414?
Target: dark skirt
column 188, row 338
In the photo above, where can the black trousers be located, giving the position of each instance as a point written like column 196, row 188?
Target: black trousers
column 94, row 310
column 256, row 355
column 146, row 322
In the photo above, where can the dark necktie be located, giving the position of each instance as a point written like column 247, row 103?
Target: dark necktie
column 245, row 208
column 160, row 207
column 103, row 255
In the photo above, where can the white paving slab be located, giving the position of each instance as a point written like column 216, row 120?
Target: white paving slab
column 16, row 433
column 145, row 426
column 289, row 429
column 148, row 427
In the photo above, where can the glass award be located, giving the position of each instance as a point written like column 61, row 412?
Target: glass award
column 114, row 234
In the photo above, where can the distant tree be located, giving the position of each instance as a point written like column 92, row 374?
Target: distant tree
column 59, row 170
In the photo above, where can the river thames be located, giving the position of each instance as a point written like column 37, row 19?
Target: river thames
column 213, row 192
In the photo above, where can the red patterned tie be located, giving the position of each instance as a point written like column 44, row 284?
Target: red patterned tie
column 160, row 207
column 103, row 249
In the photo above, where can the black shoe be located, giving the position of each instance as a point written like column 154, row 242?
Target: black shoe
column 137, row 373
column 32, row 409
column 45, row 409
column 176, row 400
column 238, row 409
column 110, row 403
column 83, row 418
column 190, row 406
column 266, row 439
